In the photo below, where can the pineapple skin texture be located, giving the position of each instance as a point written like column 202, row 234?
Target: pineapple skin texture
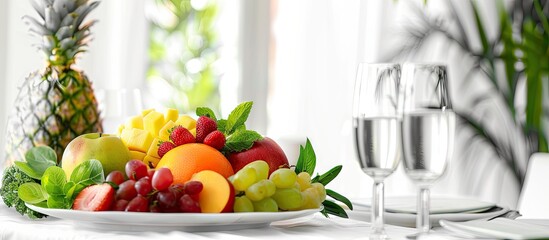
column 51, row 111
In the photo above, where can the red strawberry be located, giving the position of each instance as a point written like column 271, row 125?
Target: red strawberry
column 164, row 148
column 181, row 135
column 204, row 126
column 215, row 139
column 95, row 198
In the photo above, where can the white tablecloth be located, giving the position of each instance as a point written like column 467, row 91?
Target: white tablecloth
column 15, row 226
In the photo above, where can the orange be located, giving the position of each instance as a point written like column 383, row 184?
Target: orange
column 188, row 159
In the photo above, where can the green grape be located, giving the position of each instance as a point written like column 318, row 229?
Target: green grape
column 243, row 204
column 288, row 198
column 304, row 180
column 244, row 178
column 257, row 191
column 321, row 190
column 270, row 187
column 311, row 199
column 283, row 178
column 261, row 167
column 265, row 205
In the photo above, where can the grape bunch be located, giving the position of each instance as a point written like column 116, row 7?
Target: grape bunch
column 282, row 190
column 153, row 191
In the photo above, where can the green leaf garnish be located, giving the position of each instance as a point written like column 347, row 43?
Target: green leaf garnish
column 88, row 172
column 32, row 193
column 307, row 159
column 328, row 176
column 334, row 209
column 23, row 166
column 238, row 117
column 41, row 158
column 339, row 197
column 57, row 202
column 222, row 126
column 241, row 140
column 204, row 111
column 54, row 180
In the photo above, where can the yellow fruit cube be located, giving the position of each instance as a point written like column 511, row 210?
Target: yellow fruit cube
column 120, row 128
column 137, row 155
column 135, row 122
column 146, row 111
column 151, row 161
column 171, row 114
column 193, row 132
column 125, row 135
column 186, row 121
column 153, row 149
column 153, row 122
column 164, row 133
column 139, row 140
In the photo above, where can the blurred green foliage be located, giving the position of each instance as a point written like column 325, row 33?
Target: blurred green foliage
column 182, row 51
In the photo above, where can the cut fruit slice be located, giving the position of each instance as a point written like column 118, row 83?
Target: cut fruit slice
column 137, row 155
column 151, row 161
column 164, row 133
column 95, row 198
column 146, row 111
column 138, row 140
column 135, row 122
column 153, row 122
column 171, row 115
column 186, row 121
column 153, row 149
column 217, row 194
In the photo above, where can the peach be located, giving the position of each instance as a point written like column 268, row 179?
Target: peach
column 218, row 193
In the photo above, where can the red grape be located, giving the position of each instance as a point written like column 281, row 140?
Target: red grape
column 166, row 200
column 187, row 204
column 117, row 177
column 162, row 179
column 193, row 187
column 136, row 169
column 155, row 208
column 126, row 190
column 177, row 189
column 138, row 204
column 143, row 186
column 120, row 205
column 150, row 173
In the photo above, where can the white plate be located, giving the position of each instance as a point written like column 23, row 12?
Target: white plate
column 439, row 205
column 169, row 221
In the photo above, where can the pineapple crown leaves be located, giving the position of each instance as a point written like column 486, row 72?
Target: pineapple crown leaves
column 61, row 29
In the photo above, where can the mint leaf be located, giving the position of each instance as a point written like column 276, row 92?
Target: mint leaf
column 241, row 140
column 68, row 188
column 88, row 173
column 204, row 111
column 73, row 191
column 23, row 166
column 238, row 116
column 327, row 177
column 57, row 202
column 54, row 180
column 339, row 197
column 32, row 193
column 40, row 158
column 222, row 126
column 300, row 165
column 334, row 209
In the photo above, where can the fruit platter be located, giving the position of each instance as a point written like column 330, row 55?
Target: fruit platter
column 160, row 168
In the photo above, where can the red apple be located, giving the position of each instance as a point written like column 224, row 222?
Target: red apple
column 265, row 149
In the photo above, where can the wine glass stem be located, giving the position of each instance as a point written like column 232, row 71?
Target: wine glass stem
column 423, row 224
column 378, row 207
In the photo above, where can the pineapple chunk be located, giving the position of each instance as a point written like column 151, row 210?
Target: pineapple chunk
column 153, row 122
column 135, row 122
column 193, row 132
column 125, row 135
column 146, row 111
column 186, row 121
column 120, row 128
column 171, row 114
column 164, row 133
column 153, row 149
column 139, row 140
column 151, row 161
column 137, row 155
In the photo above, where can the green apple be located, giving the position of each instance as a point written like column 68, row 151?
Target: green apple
column 106, row 148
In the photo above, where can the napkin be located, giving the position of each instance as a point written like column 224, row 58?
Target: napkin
column 501, row 228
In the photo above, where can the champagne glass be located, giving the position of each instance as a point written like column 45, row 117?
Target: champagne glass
column 377, row 130
column 428, row 124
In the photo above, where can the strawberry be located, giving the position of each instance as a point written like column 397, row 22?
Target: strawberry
column 95, row 198
column 215, row 139
column 164, row 148
column 204, row 126
column 181, row 135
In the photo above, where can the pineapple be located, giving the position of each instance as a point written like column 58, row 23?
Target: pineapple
column 56, row 104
